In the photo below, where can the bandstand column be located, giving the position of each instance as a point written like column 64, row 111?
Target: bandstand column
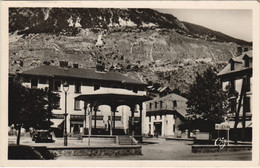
column 132, row 119
column 114, row 119
column 111, row 127
column 140, row 126
column 90, row 120
column 113, row 113
column 85, row 117
column 95, row 121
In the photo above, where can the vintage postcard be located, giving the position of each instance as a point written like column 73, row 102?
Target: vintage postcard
column 130, row 83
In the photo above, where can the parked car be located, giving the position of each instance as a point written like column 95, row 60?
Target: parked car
column 42, row 136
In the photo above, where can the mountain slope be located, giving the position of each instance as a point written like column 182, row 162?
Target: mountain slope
column 142, row 43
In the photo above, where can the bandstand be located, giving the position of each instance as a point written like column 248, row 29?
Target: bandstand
column 113, row 98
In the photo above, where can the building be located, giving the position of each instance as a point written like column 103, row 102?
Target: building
column 165, row 114
column 83, row 82
column 237, row 75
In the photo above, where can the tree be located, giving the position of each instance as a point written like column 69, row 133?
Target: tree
column 207, row 100
column 29, row 107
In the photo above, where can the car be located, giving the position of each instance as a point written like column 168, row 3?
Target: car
column 42, row 136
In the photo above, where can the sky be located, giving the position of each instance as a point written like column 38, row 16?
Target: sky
column 233, row 22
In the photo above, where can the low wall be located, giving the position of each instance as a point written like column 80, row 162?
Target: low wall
column 96, row 139
column 95, row 151
column 105, row 140
column 213, row 148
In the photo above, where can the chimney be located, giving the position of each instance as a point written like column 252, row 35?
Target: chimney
column 239, row 50
column 100, row 65
column 64, row 64
column 46, row 62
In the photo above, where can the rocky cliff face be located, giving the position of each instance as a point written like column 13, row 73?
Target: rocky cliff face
column 146, row 44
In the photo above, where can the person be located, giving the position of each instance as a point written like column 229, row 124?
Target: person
column 155, row 133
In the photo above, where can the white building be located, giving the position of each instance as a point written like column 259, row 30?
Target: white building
column 165, row 114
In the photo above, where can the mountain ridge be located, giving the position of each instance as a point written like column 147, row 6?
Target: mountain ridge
column 59, row 19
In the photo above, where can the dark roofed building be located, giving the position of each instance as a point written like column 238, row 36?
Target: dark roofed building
column 84, row 82
column 80, row 73
column 237, row 75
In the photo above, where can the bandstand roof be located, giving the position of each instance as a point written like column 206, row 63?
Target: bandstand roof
column 113, row 97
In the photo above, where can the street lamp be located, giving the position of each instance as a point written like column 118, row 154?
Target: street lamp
column 65, row 88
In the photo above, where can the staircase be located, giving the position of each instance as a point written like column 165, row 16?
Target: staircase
column 125, row 140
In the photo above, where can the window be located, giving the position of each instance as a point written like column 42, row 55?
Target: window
column 174, row 116
column 77, row 105
column 75, row 65
column 246, row 62
column 161, row 103
column 248, row 84
column 116, row 118
column 160, row 117
column 98, row 117
column 232, row 66
column 59, row 116
column 173, row 128
column 64, row 64
column 151, row 104
column 43, row 81
column 26, row 79
column 150, row 118
column 77, row 87
column 233, row 105
column 155, row 104
column 57, row 85
column 115, row 86
column 136, row 109
column 232, row 83
column 96, row 86
column 56, row 105
column 135, row 89
column 34, row 83
column 174, row 103
column 247, row 104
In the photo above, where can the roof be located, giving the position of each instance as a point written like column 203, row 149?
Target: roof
column 171, row 96
column 56, row 71
column 239, row 64
column 181, row 111
column 113, row 96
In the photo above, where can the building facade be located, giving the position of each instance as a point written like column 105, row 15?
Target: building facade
column 85, row 81
column 237, row 76
column 165, row 114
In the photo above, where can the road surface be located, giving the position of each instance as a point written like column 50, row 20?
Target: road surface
column 161, row 149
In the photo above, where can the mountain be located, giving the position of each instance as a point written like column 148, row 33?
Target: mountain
column 38, row 20
column 142, row 43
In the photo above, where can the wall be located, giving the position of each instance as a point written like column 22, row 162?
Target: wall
column 96, row 151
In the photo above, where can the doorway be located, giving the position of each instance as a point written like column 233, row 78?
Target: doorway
column 158, row 128
column 76, row 128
